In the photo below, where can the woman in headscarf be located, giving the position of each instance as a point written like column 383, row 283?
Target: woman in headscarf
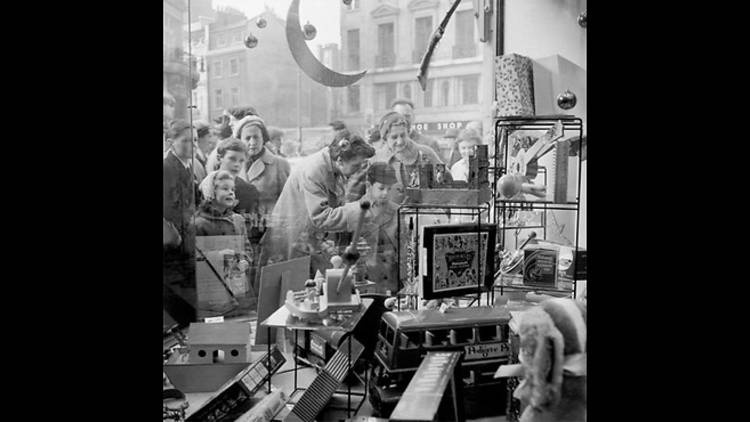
column 312, row 208
column 402, row 153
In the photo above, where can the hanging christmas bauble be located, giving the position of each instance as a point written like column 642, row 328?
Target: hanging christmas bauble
column 347, row 2
column 261, row 22
column 566, row 100
column 251, row 41
column 310, row 31
column 582, row 19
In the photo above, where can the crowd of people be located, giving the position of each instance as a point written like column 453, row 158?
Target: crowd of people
column 231, row 177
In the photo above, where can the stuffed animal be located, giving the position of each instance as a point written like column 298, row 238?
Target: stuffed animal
column 553, row 355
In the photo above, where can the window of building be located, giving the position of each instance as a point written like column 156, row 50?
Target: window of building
column 466, row 45
column 470, row 89
column 422, row 32
column 386, row 56
column 428, row 93
column 352, row 49
column 237, row 37
column 352, row 94
column 384, row 95
column 217, row 70
column 406, row 90
column 445, row 90
column 234, row 68
column 221, row 40
column 235, row 96
column 218, row 99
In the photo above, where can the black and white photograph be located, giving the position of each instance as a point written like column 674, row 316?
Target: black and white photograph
column 374, row 210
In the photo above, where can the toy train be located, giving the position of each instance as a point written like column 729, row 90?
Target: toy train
column 403, row 339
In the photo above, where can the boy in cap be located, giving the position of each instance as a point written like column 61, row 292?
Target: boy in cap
column 380, row 232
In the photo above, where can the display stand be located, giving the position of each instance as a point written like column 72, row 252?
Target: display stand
column 404, row 210
column 282, row 318
column 572, row 125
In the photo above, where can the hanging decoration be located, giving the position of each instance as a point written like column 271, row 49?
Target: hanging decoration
column 310, row 31
column 261, row 22
column 582, row 19
column 566, row 100
column 305, row 58
column 347, row 2
column 251, row 41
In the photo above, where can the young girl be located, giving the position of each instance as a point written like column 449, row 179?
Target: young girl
column 467, row 140
column 215, row 216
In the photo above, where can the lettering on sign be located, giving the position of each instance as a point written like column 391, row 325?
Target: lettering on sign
column 484, row 351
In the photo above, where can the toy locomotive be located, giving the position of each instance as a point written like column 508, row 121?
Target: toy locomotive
column 480, row 333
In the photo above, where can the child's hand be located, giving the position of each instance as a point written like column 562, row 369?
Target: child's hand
column 243, row 265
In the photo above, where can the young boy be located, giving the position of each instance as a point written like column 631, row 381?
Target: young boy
column 380, row 232
column 467, row 140
column 232, row 154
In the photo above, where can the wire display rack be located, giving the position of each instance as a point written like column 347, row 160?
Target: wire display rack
column 481, row 215
column 502, row 208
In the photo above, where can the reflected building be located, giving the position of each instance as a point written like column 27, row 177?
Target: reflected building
column 265, row 76
column 180, row 75
column 388, row 39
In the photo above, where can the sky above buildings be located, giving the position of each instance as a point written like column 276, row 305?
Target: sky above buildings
column 324, row 14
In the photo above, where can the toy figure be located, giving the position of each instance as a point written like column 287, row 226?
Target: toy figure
column 553, row 355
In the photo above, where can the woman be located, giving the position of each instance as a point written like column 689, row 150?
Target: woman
column 402, row 153
column 266, row 171
column 312, row 203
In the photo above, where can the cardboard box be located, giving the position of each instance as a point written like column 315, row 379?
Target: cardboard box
column 540, row 266
column 514, row 85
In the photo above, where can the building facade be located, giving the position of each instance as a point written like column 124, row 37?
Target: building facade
column 265, row 76
column 388, row 38
column 180, row 75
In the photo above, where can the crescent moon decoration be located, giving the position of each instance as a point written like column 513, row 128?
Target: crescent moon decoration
column 306, row 60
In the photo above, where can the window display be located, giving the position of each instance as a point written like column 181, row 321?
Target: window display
column 326, row 168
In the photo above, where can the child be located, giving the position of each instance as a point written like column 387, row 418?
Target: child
column 216, row 217
column 380, row 232
column 232, row 154
column 467, row 140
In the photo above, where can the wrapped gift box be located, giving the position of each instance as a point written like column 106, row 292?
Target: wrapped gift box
column 515, row 85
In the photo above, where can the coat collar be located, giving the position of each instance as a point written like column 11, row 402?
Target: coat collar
column 209, row 211
column 257, row 167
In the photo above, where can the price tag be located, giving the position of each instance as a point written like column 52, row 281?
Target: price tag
column 211, row 320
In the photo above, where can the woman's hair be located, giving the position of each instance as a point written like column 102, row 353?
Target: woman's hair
column 390, row 119
column 202, row 129
column 240, row 112
column 224, row 130
column 468, row 135
column 347, row 146
column 382, row 173
column 176, row 127
column 230, row 144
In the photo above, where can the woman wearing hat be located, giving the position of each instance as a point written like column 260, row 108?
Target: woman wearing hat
column 312, row 206
column 402, row 153
column 266, row 171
